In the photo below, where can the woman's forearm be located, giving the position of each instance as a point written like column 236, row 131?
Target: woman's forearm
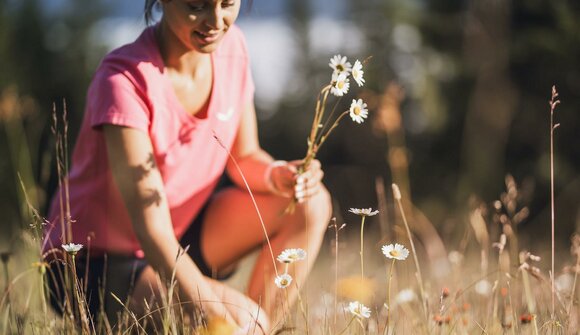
column 253, row 166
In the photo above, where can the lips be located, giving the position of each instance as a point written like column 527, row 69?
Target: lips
column 206, row 37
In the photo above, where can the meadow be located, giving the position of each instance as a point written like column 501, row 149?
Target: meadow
column 377, row 274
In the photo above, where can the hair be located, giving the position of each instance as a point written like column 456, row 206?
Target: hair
column 150, row 6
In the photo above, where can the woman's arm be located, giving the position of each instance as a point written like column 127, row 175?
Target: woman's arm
column 258, row 168
column 134, row 170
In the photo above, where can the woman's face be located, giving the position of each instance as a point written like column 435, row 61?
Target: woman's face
column 200, row 24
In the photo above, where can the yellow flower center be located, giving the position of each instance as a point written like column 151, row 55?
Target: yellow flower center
column 284, row 282
column 394, row 253
column 356, row 111
column 340, row 85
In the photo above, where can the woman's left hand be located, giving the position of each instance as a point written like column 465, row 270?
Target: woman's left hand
column 286, row 181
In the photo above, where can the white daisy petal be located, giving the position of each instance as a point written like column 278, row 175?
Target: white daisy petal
column 340, row 84
column 363, row 211
column 358, row 111
column 357, row 73
column 397, row 251
column 283, row 280
column 291, row 255
column 339, row 64
column 359, row 310
column 72, row 248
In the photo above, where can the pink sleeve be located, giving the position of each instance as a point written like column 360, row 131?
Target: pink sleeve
column 114, row 99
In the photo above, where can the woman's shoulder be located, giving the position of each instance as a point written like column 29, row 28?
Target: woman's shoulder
column 137, row 56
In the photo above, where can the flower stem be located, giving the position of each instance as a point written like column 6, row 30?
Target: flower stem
column 553, row 104
column 389, row 296
column 347, row 326
column 362, row 266
column 397, row 193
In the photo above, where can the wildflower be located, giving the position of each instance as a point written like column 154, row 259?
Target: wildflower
column 526, row 318
column 340, row 84
column 340, row 65
column 406, row 295
column 72, row 248
column 398, row 251
column 291, row 255
column 442, row 319
column 483, row 287
column 283, row 280
column 41, row 266
column 444, row 292
column 363, row 211
column 359, row 310
column 357, row 73
column 358, row 111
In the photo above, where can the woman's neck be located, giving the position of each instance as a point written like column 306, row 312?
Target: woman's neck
column 175, row 54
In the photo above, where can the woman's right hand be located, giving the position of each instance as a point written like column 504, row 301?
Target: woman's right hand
column 242, row 311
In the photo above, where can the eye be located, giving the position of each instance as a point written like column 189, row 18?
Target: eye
column 196, row 6
column 226, row 4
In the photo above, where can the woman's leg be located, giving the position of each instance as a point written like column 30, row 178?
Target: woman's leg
column 232, row 228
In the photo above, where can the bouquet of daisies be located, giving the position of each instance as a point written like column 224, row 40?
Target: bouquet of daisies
column 322, row 124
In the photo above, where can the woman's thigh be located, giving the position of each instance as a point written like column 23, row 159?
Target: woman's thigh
column 232, row 227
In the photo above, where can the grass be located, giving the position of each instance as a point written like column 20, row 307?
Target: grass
column 490, row 288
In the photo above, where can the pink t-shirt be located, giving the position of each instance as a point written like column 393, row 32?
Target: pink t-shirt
column 130, row 89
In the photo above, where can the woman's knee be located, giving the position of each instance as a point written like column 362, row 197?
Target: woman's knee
column 317, row 210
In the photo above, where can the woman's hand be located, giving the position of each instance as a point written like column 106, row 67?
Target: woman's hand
column 285, row 180
column 243, row 312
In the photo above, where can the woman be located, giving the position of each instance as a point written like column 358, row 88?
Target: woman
column 161, row 114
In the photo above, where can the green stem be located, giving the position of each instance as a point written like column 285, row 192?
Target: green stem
column 389, row 296
column 362, row 267
column 415, row 259
column 347, row 326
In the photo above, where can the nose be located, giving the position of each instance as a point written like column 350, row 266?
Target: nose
column 215, row 19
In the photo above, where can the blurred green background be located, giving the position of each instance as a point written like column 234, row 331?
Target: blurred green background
column 458, row 94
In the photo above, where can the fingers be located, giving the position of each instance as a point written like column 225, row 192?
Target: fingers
column 309, row 183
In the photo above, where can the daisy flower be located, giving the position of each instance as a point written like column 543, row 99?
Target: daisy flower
column 363, row 211
column 72, row 248
column 340, row 64
column 398, row 251
column 357, row 73
column 340, row 84
column 291, row 255
column 283, row 280
column 359, row 310
column 358, row 111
